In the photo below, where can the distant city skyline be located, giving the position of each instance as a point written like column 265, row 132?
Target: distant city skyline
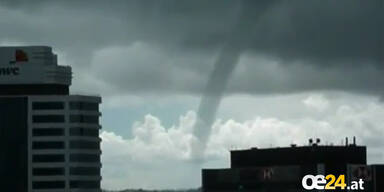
column 311, row 69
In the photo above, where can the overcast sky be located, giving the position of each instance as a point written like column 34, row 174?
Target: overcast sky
column 306, row 68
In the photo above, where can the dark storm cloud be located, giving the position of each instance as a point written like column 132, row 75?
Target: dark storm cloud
column 318, row 44
column 324, row 32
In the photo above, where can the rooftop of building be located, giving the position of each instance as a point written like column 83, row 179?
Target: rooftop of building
column 313, row 153
column 32, row 65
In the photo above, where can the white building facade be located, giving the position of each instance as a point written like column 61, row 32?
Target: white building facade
column 49, row 139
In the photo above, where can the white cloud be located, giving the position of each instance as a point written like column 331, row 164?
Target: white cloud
column 160, row 157
column 318, row 102
column 155, row 157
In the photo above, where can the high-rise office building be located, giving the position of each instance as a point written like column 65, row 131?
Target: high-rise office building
column 49, row 139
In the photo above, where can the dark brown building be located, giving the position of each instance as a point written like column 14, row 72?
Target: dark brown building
column 282, row 169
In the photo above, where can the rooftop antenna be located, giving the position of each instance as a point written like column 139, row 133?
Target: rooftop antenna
column 310, row 141
column 354, row 140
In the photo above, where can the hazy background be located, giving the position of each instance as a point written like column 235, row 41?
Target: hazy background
column 305, row 68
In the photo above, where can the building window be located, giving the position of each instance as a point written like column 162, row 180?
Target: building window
column 48, row 158
column 85, row 106
column 47, row 105
column 84, row 145
column 79, row 131
column 41, row 132
column 48, row 171
column 84, row 171
column 84, row 158
column 48, row 145
column 48, row 184
column 84, row 184
column 84, row 119
column 48, row 118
